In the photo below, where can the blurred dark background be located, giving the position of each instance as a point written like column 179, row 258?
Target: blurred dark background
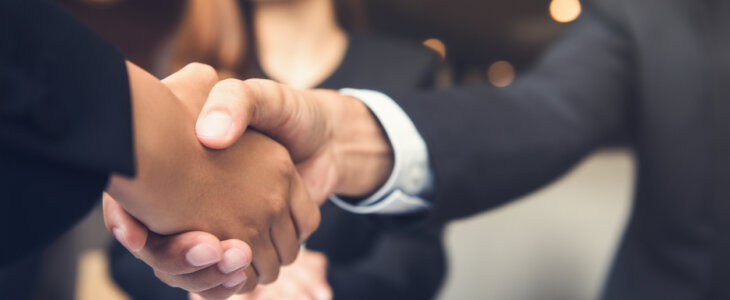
column 476, row 33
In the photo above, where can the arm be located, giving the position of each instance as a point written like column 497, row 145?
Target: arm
column 482, row 140
column 64, row 123
column 490, row 145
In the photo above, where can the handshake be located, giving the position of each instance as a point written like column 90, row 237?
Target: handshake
column 218, row 205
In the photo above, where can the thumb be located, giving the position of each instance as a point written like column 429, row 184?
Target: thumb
column 233, row 105
column 125, row 228
column 225, row 115
column 295, row 118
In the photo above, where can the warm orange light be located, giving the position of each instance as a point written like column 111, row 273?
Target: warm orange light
column 436, row 45
column 565, row 11
column 501, row 73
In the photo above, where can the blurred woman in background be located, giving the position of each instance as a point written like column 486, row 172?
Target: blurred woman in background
column 306, row 44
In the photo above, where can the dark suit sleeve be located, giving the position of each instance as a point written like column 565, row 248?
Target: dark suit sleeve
column 65, row 122
column 405, row 258
column 406, row 264
column 488, row 145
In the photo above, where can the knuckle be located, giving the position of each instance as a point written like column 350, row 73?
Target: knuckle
column 232, row 86
column 203, row 70
column 251, row 282
column 241, row 95
column 279, row 208
column 290, row 257
column 263, row 84
column 270, row 276
column 282, row 162
column 240, row 245
column 284, row 158
column 261, row 87
column 312, row 223
column 255, row 235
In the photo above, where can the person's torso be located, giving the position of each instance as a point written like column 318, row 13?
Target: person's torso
column 677, row 243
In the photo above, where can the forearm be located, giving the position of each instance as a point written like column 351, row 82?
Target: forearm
column 492, row 145
column 65, row 122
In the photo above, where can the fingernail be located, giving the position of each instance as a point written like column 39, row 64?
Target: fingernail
column 215, row 124
column 119, row 235
column 233, row 259
column 202, row 255
column 235, row 280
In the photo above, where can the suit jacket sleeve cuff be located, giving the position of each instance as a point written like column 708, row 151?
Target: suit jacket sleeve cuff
column 411, row 177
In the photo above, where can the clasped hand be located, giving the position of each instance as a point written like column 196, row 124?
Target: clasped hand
column 251, row 193
column 190, row 197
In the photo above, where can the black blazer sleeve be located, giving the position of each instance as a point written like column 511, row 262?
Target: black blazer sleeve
column 488, row 145
column 65, row 122
column 405, row 258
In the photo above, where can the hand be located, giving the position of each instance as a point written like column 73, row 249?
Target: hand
column 195, row 261
column 249, row 192
column 305, row 279
column 337, row 144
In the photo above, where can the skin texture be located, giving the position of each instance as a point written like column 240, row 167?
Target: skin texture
column 336, row 142
column 250, row 192
column 175, row 259
column 298, row 42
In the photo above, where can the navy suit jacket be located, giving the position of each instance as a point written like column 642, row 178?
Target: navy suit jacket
column 655, row 73
column 65, row 123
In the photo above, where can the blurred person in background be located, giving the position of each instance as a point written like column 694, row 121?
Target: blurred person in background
column 653, row 73
column 306, row 44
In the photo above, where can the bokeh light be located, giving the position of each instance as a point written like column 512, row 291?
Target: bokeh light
column 436, row 45
column 565, row 11
column 501, row 73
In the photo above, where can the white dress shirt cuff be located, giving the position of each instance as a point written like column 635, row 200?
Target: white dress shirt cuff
column 411, row 176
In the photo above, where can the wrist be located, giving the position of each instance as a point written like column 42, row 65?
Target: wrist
column 162, row 137
column 363, row 154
